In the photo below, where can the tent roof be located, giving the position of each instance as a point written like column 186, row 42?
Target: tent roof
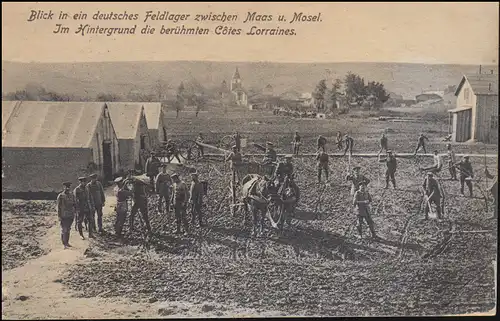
column 51, row 124
column 125, row 118
column 153, row 114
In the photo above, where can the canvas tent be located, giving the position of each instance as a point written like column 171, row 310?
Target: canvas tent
column 132, row 131
column 156, row 123
column 46, row 143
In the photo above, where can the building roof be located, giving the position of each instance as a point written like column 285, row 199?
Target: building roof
column 51, row 124
column 482, row 84
column 153, row 114
column 125, row 118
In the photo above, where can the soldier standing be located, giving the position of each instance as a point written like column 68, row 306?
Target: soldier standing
column 466, row 174
column 494, row 191
column 199, row 139
column 321, row 143
column 383, row 144
column 237, row 141
column 163, row 184
column 451, row 163
column 236, row 160
column 421, row 143
column 97, row 200
column 196, row 199
column 66, row 210
column 349, row 143
column 83, row 207
column 179, row 199
column 270, row 158
column 362, row 200
column 433, row 192
column 322, row 163
column 139, row 196
column 392, row 165
column 296, row 144
column 121, row 194
column 151, row 167
column 356, row 178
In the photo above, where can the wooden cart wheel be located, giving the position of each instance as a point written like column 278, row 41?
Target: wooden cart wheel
column 275, row 213
column 189, row 150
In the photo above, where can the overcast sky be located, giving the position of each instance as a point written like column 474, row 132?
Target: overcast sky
column 463, row 33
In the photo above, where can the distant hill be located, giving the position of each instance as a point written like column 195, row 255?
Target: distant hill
column 90, row 79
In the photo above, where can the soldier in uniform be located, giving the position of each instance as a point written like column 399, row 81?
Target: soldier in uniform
column 66, row 211
column 121, row 194
column 179, row 200
column 433, row 192
column 451, row 162
column 97, row 199
column 236, row 160
column 321, row 142
column 421, row 143
column 438, row 164
column 322, row 164
column 357, row 178
column 152, row 167
column 201, row 150
column 139, row 196
column 466, row 174
column 296, row 144
column 392, row 165
column 349, row 144
column 83, row 207
column 196, row 200
column 383, row 144
column 163, row 184
column 237, row 141
column 270, row 158
column 362, row 200
column 494, row 191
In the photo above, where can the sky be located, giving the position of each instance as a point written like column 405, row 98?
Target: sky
column 448, row 33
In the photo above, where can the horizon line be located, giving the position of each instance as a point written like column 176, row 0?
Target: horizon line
column 246, row 61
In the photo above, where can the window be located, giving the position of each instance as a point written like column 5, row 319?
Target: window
column 466, row 95
column 494, row 122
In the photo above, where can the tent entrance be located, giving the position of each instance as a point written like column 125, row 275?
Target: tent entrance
column 107, row 162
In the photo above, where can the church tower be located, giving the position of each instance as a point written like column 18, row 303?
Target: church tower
column 236, row 81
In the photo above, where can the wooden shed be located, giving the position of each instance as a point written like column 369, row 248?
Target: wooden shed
column 475, row 117
column 46, row 143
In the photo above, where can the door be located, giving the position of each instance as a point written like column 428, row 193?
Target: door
column 464, row 125
column 107, row 161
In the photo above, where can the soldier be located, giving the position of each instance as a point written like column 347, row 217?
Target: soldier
column 196, row 199
column 179, row 199
column 466, row 174
column 237, row 141
column 236, row 160
column 199, row 139
column 66, row 210
column 322, row 163
column 494, row 191
column 270, row 158
column 349, row 143
column 321, row 143
column 362, row 200
column 436, row 166
column 451, row 163
column 121, row 209
column 172, row 151
column 421, row 143
column 296, row 144
column 83, row 207
column 163, row 184
column 433, row 192
column 392, row 165
column 151, row 167
column 139, row 196
column 97, row 200
column 383, row 144
column 356, row 178
column 340, row 141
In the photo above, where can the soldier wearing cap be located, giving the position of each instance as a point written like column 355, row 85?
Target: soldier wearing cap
column 357, row 178
column 349, row 144
column 84, row 207
column 321, row 143
column 436, row 166
column 236, row 160
column 451, row 162
column 66, row 211
column 201, row 151
column 140, row 202
column 296, row 144
column 433, row 193
column 390, row 173
column 163, row 184
column 383, row 144
column 97, row 200
column 361, row 201
column 269, row 158
column 179, row 201
column 196, row 199
column 466, row 174
column 322, row 164
column 152, row 167
column 421, row 143
column 121, row 194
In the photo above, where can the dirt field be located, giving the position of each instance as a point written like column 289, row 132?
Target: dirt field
column 320, row 266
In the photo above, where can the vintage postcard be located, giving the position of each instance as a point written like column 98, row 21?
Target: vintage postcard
column 244, row 159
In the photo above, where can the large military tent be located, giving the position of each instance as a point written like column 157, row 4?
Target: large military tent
column 132, row 131
column 156, row 123
column 46, row 143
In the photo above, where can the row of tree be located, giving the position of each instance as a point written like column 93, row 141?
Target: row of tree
column 351, row 90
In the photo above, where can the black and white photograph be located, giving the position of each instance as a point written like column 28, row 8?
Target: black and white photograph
column 247, row 159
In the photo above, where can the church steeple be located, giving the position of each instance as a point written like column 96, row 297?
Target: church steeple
column 236, row 74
